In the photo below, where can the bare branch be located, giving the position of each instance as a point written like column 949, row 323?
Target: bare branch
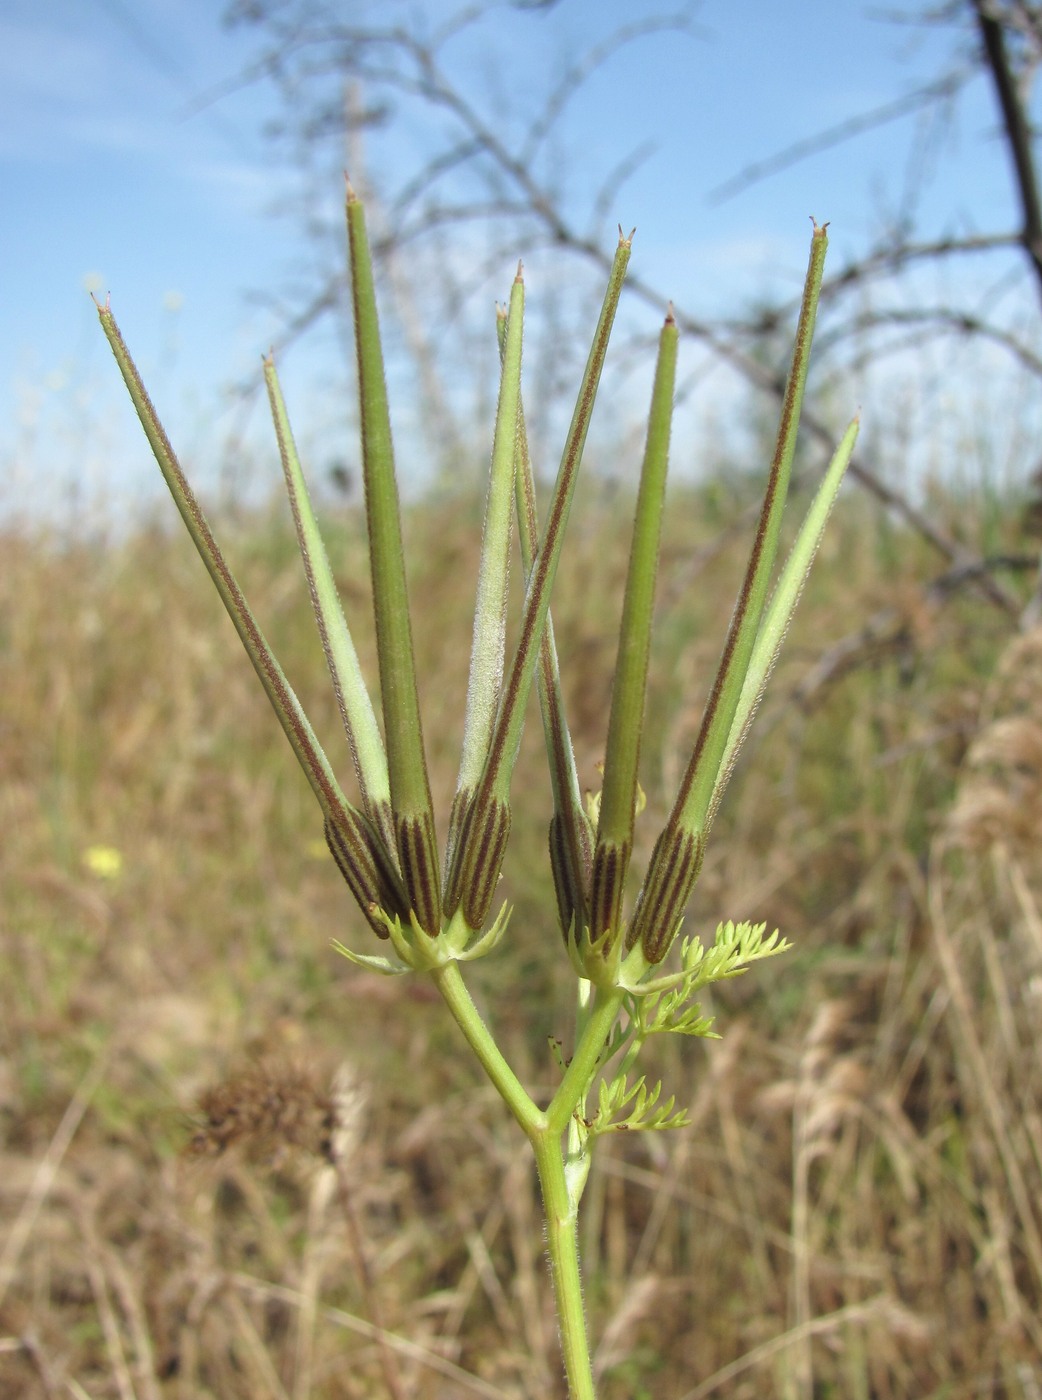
column 1018, row 132
column 577, row 73
column 937, row 320
column 478, row 173
column 942, row 90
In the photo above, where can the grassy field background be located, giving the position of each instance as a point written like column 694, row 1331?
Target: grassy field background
column 856, row 1208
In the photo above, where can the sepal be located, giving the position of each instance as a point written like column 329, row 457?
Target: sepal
column 597, row 958
column 372, row 962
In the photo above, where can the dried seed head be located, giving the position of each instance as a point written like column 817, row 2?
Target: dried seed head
column 267, row 1109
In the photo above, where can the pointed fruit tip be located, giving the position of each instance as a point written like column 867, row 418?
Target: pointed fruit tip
column 671, row 318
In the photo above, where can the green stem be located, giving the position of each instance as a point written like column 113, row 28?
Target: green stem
column 449, row 981
column 544, row 1131
column 562, row 1244
column 584, row 1063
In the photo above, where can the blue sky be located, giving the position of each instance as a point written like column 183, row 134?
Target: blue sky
column 123, row 173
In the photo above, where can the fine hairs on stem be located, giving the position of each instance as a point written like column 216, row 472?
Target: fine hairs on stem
column 433, row 906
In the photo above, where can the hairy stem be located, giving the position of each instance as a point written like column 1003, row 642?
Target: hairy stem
column 562, row 1246
column 449, row 981
column 545, row 1131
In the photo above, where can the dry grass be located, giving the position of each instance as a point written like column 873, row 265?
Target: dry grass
column 233, row 1166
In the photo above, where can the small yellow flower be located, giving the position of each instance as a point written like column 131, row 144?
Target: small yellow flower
column 106, row 862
